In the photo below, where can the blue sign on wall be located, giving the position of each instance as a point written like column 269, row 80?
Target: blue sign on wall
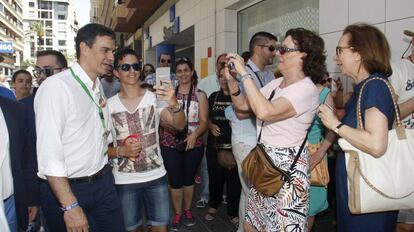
column 176, row 25
column 6, row 47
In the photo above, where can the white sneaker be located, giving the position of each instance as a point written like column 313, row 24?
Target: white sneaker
column 202, row 203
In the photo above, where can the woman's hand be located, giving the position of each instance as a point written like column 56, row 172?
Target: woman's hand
column 328, row 117
column 238, row 62
column 166, row 92
column 191, row 141
column 214, row 129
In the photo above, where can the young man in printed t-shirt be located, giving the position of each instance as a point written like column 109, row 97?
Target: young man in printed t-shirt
column 402, row 80
column 140, row 176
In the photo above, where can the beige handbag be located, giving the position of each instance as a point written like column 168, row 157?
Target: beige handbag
column 384, row 183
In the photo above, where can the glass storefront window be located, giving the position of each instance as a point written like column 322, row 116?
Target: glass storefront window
column 276, row 17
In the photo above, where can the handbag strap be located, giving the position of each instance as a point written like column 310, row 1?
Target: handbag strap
column 190, row 94
column 399, row 127
column 261, row 128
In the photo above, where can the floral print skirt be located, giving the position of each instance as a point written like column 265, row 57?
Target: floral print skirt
column 288, row 209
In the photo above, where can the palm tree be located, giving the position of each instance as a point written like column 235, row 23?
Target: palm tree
column 38, row 31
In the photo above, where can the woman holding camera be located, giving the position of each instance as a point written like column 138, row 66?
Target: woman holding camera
column 222, row 167
column 286, row 118
column 182, row 151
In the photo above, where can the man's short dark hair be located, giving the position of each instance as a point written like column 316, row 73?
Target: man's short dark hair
column 21, row 71
column 88, row 34
column 60, row 58
column 260, row 38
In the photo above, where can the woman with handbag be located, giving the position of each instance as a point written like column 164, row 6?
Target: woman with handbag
column 182, row 151
column 318, row 201
column 285, row 108
column 222, row 167
column 363, row 54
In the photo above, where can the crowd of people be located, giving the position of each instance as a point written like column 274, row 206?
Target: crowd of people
column 101, row 146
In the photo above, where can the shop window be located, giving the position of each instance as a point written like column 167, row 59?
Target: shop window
column 276, row 17
column 31, row 4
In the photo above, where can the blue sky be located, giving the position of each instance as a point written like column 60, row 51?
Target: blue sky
column 82, row 8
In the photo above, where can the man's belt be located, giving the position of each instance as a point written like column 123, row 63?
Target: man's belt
column 88, row 179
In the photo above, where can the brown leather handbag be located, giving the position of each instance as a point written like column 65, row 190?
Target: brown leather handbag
column 262, row 173
column 320, row 174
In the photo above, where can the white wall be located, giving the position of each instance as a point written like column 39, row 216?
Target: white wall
column 390, row 16
column 215, row 24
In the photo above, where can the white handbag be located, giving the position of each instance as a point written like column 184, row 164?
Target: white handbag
column 385, row 183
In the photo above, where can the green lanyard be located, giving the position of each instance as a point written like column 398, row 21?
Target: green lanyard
column 85, row 88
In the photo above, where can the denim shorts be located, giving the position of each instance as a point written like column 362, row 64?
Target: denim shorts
column 152, row 195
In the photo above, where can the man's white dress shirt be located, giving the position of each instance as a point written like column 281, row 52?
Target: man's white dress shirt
column 70, row 137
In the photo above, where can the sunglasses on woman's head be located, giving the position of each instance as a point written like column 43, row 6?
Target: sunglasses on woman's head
column 127, row 67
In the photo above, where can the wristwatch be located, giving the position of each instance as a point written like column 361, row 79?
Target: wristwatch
column 244, row 77
column 336, row 130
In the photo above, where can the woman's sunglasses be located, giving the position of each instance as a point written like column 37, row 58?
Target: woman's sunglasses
column 127, row 67
column 282, row 49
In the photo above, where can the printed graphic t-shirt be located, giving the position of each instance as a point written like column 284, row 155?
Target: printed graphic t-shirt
column 402, row 80
column 144, row 123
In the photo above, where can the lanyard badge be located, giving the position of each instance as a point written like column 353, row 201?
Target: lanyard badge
column 102, row 104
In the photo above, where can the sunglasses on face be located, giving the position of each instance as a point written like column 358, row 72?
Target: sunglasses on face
column 165, row 61
column 127, row 67
column 271, row 48
column 282, row 49
column 339, row 49
column 37, row 72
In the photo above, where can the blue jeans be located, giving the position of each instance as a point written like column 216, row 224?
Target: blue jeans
column 153, row 195
column 10, row 211
column 98, row 200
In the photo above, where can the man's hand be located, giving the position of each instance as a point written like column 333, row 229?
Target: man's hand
column 75, row 220
column 32, row 211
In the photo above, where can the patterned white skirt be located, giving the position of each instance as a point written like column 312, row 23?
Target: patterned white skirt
column 288, row 209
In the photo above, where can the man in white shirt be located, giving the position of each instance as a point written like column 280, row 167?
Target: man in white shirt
column 402, row 80
column 17, row 165
column 73, row 128
column 164, row 61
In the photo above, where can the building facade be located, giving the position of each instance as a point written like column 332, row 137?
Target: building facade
column 49, row 25
column 203, row 29
column 11, row 30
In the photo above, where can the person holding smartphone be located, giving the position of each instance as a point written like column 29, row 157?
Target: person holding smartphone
column 140, row 175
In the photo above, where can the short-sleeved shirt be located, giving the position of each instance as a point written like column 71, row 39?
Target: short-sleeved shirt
column 217, row 103
column 144, row 122
column 192, row 118
column 304, row 97
column 7, row 93
column 375, row 94
column 402, row 80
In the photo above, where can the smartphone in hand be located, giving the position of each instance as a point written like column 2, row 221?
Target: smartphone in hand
column 162, row 74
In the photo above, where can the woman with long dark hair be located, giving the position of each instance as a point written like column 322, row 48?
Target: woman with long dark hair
column 183, row 150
